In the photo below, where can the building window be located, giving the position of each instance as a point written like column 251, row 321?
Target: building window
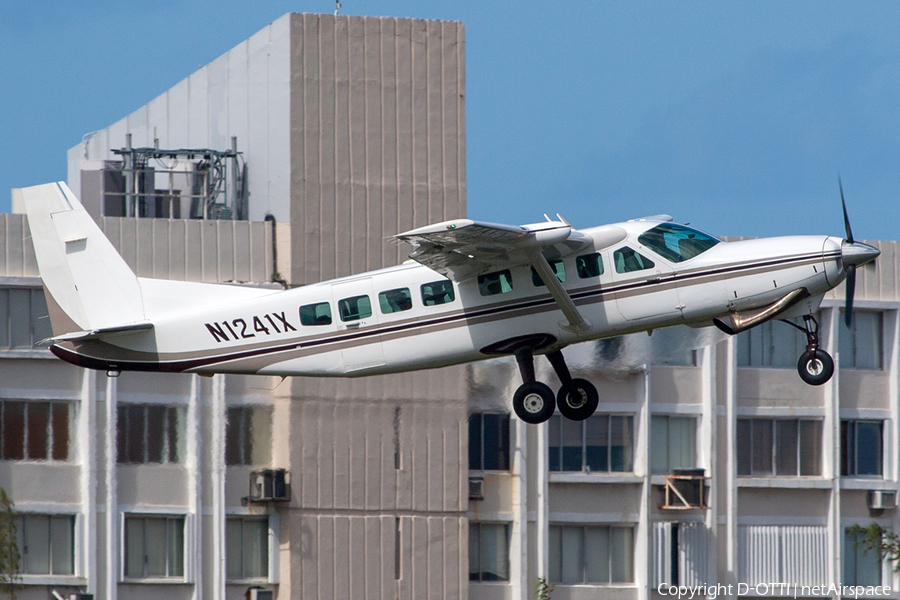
column 23, row 318
column 591, row 554
column 792, row 553
column 771, row 344
column 488, row 551
column 779, row 447
column 861, row 448
column 860, row 345
column 861, row 565
column 35, row 430
column 154, row 547
column 148, row 433
column 46, row 544
column 248, row 435
column 679, row 553
column 247, row 552
column 489, row 442
column 600, row 444
column 673, row 443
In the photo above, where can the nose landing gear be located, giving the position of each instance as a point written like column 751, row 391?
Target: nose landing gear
column 533, row 401
column 815, row 365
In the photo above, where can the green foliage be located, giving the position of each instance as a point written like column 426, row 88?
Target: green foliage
column 542, row 589
column 877, row 538
column 10, row 559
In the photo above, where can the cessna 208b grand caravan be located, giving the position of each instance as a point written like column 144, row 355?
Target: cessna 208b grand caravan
column 472, row 291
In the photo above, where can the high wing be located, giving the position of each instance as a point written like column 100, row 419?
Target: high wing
column 462, row 249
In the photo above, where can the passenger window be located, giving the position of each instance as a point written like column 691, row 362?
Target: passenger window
column 589, row 265
column 437, row 292
column 627, row 260
column 393, row 301
column 498, row 282
column 315, row 314
column 558, row 267
column 355, row 308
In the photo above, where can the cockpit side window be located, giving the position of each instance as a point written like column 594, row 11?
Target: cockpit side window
column 677, row 243
column 627, row 260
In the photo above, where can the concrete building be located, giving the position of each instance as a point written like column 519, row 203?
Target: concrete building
column 351, row 129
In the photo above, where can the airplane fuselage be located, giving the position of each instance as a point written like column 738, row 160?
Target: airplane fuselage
column 407, row 318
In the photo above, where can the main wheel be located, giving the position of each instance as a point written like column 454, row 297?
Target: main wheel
column 534, row 402
column 577, row 400
column 815, row 371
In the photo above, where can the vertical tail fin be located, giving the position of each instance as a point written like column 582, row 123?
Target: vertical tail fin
column 87, row 284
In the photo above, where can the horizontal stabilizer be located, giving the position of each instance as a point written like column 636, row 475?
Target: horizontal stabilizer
column 103, row 332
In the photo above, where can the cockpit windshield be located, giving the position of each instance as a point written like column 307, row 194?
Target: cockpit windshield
column 677, row 243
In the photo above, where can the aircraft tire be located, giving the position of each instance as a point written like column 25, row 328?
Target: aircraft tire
column 577, row 400
column 818, row 371
column 534, row 402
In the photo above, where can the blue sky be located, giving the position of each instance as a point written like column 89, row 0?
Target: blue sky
column 734, row 116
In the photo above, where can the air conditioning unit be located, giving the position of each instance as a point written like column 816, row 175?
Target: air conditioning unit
column 260, row 594
column 270, row 485
column 685, row 489
column 882, row 499
column 476, row 488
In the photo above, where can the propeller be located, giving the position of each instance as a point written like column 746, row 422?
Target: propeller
column 850, row 288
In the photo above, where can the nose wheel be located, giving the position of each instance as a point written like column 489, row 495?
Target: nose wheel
column 534, row 402
column 815, row 365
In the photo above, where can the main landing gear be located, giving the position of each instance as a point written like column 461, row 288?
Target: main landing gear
column 815, row 365
column 534, row 401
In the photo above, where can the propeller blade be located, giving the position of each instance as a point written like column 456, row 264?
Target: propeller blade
column 849, row 292
column 846, row 218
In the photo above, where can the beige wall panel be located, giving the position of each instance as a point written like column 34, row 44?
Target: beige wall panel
column 237, row 484
column 369, row 135
column 16, row 252
column 163, row 485
column 624, row 389
column 775, row 387
column 143, row 591
column 776, row 502
column 357, row 434
column 855, row 506
column 135, row 386
column 27, row 481
column 571, row 592
column 490, row 591
column 588, row 498
column 343, row 428
column 357, row 548
column 675, row 385
column 864, row 389
column 39, row 379
column 498, row 489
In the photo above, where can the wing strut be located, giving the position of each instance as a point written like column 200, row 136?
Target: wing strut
column 576, row 323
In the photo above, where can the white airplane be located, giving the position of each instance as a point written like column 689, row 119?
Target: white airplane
column 472, row 291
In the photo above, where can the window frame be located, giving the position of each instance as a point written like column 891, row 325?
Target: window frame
column 383, row 300
column 52, row 430
column 620, row 250
column 186, row 564
column 852, row 553
column 848, row 341
column 266, row 550
column 694, row 420
column 849, row 453
column 358, row 315
column 247, row 453
column 628, row 454
column 477, row 526
column 581, row 262
column 775, row 452
column 503, row 443
column 611, row 552
column 50, row 577
column 172, row 451
column 559, row 270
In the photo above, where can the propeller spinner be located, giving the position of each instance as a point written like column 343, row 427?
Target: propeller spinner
column 853, row 254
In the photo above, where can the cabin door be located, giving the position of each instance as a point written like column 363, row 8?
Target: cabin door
column 357, row 321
